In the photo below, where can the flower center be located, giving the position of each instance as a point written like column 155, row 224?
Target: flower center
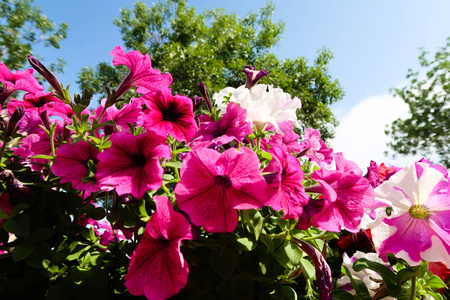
column 419, row 212
column 223, row 180
column 139, row 160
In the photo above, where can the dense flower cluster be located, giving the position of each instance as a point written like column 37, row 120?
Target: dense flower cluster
column 174, row 191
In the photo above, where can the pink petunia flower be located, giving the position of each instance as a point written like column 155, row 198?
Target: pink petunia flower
column 419, row 224
column 71, row 164
column 213, row 186
column 5, row 205
column 233, row 126
column 21, row 80
column 132, row 163
column 288, row 138
column 346, row 195
column 38, row 102
column 167, row 114
column 130, row 113
column 314, row 148
column 141, row 75
column 285, row 189
column 158, row 269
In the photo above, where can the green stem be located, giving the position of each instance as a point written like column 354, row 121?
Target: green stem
column 412, row 296
column 281, row 235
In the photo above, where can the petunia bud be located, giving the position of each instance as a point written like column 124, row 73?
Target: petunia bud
column 197, row 101
column 15, row 118
column 46, row 73
column 253, row 75
column 205, row 94
column 323, row 272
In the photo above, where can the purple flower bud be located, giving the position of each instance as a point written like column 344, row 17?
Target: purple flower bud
column 197, row 101
column 253, row 75
column 205, row 94
column 15, row 118
column 46, row 73
column 323, row 271
column 45, row 119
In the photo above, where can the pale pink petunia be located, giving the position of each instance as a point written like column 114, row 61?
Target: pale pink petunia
column 314, row 148
column 168, row 114
column 158, row 269
column 132, row 163
column 141, row 75
column 285, row 189
column 21, row 80
column 346, row 195
column 233, row 126
column 287, row 138
column 71, row 163
column 419, row 224
column 214, row 185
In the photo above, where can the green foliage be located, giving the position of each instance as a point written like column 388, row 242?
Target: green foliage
column 425, row 132
column 214, row 46
column 23, row 25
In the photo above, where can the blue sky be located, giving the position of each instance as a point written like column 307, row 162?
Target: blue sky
column 374, row 43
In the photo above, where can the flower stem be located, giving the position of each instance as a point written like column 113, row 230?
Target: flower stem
column 412, row 296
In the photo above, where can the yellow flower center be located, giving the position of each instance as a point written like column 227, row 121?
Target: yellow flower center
column 419, row 212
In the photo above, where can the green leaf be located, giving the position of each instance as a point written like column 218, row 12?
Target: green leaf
column 173, row 164
column 387, row 274
column 434, row 283
column 254, row 218
column 404, row 275
column 289, row 255
column 21, row 251
column 357, row 284
column 223, row 262
column 247, row 243
column 42, row 234
column 19, row 225
column 309, row 270
column 341, row 295
column 289, row 293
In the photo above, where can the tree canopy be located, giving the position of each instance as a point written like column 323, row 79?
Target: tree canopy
column 214, row 46
column 23, row 25
column 427, row 129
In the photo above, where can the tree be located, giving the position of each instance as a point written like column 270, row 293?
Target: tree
column 23, row 25
column 213, row 47
column 427, row 95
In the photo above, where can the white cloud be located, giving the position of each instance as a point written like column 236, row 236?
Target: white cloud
column 360, row 135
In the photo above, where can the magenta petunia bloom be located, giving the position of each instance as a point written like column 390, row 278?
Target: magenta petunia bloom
column 132, row 163
column 39, row 102
column 419, row 224
column 285, row 189
column 141, row 75
column 213, row 186
column 346, row 195
column 158, row 269
column 167, row 114
column 21, row 80
column 233, row 126
column 71, row 164
column 314, row 148
column 130, row 113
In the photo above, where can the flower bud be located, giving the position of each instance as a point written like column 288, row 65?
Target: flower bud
column 46, row 73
